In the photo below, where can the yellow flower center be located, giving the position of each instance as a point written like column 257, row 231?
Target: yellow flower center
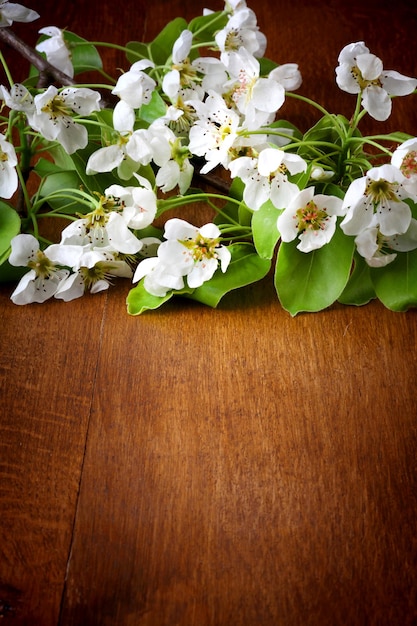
column 42, row 265
column 381, row 191
column 201, row 248
column 92, row 275
column 362, row 82
column 310, row 217
column 56, row 107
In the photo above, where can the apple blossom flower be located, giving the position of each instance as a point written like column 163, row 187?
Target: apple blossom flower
column 8, row 162
column 138, row 204
column 380, row 250
column 215, row 132
column 234, row 6
column 255, row 97
column 12, row 12
column 188, row 251
column 213, row 76
column 102, row 229
column 193, row 252
column 56, row 50
column 44, row 276
column 135, row 87
column 359, row 71
column 380, row 192
column 405, row 158
column 241, row 31
column 171, row 157
column 18, row 98
column 93, row 272
column 53, row 115
column 128, row 151
column 288, row 75
column 158, row 278
column 183, row 74
column 265, row 177
column 311, row 218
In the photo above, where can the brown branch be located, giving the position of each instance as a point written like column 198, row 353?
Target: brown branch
column 46, row 70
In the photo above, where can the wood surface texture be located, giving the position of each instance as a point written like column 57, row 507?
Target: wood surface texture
column 193, row 467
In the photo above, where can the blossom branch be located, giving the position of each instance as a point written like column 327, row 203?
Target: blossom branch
column 46, row 70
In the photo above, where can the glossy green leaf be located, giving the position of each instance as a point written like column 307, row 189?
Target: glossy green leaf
column 161, row 46
column 359, row 289
column 58, row 186
column 396, row 283
column 245, row 267
column 9, row 228
column 155, row 109
column 139, row 300
column 137, row 50
column 204, row 27
column 264, row 229
column 85, row 56
column 313, row 281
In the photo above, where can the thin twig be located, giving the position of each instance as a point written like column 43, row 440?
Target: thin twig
column 46, row 70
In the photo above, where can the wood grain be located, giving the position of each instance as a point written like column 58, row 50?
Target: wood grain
column 213, row 468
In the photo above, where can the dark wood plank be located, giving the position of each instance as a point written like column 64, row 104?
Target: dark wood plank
column 248, row 468
column 242, row 467
column 48, row 357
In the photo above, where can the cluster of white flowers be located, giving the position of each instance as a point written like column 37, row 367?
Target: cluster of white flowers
column 92, row 250
column 220, row 109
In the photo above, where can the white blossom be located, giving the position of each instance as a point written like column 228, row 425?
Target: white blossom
column 311, row 218
column 158, row 279
column 405, row 158
column 18, row 98
column 359, row 71
column 135, row 87
column 265, row 177
column 193, row 252
column 139, row 204
column 256, row 97
column 53, row 115
column 128, row 151
column 382, row 192
column 189, row 252
column 8, row 175
column 380, row 250
column 215, row 132
column 94, row 273
column 12, row 12
column 56, row 50
column 241, row 31
column 44, row 276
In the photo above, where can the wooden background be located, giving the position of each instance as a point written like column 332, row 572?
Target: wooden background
column 227, row 468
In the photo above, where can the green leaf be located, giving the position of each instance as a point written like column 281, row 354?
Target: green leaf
column 155, row 109
column 139, row 300
column 139, row 50
column 84, row 55
column 313, row 281
column 60, row 181
column 396, row 283
column 287, row 129
column 266, row 66
column 9, row 228
column 264, row 229
column 359, row 289
column 205, row 27
column 245, row 267
column 161, row 46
